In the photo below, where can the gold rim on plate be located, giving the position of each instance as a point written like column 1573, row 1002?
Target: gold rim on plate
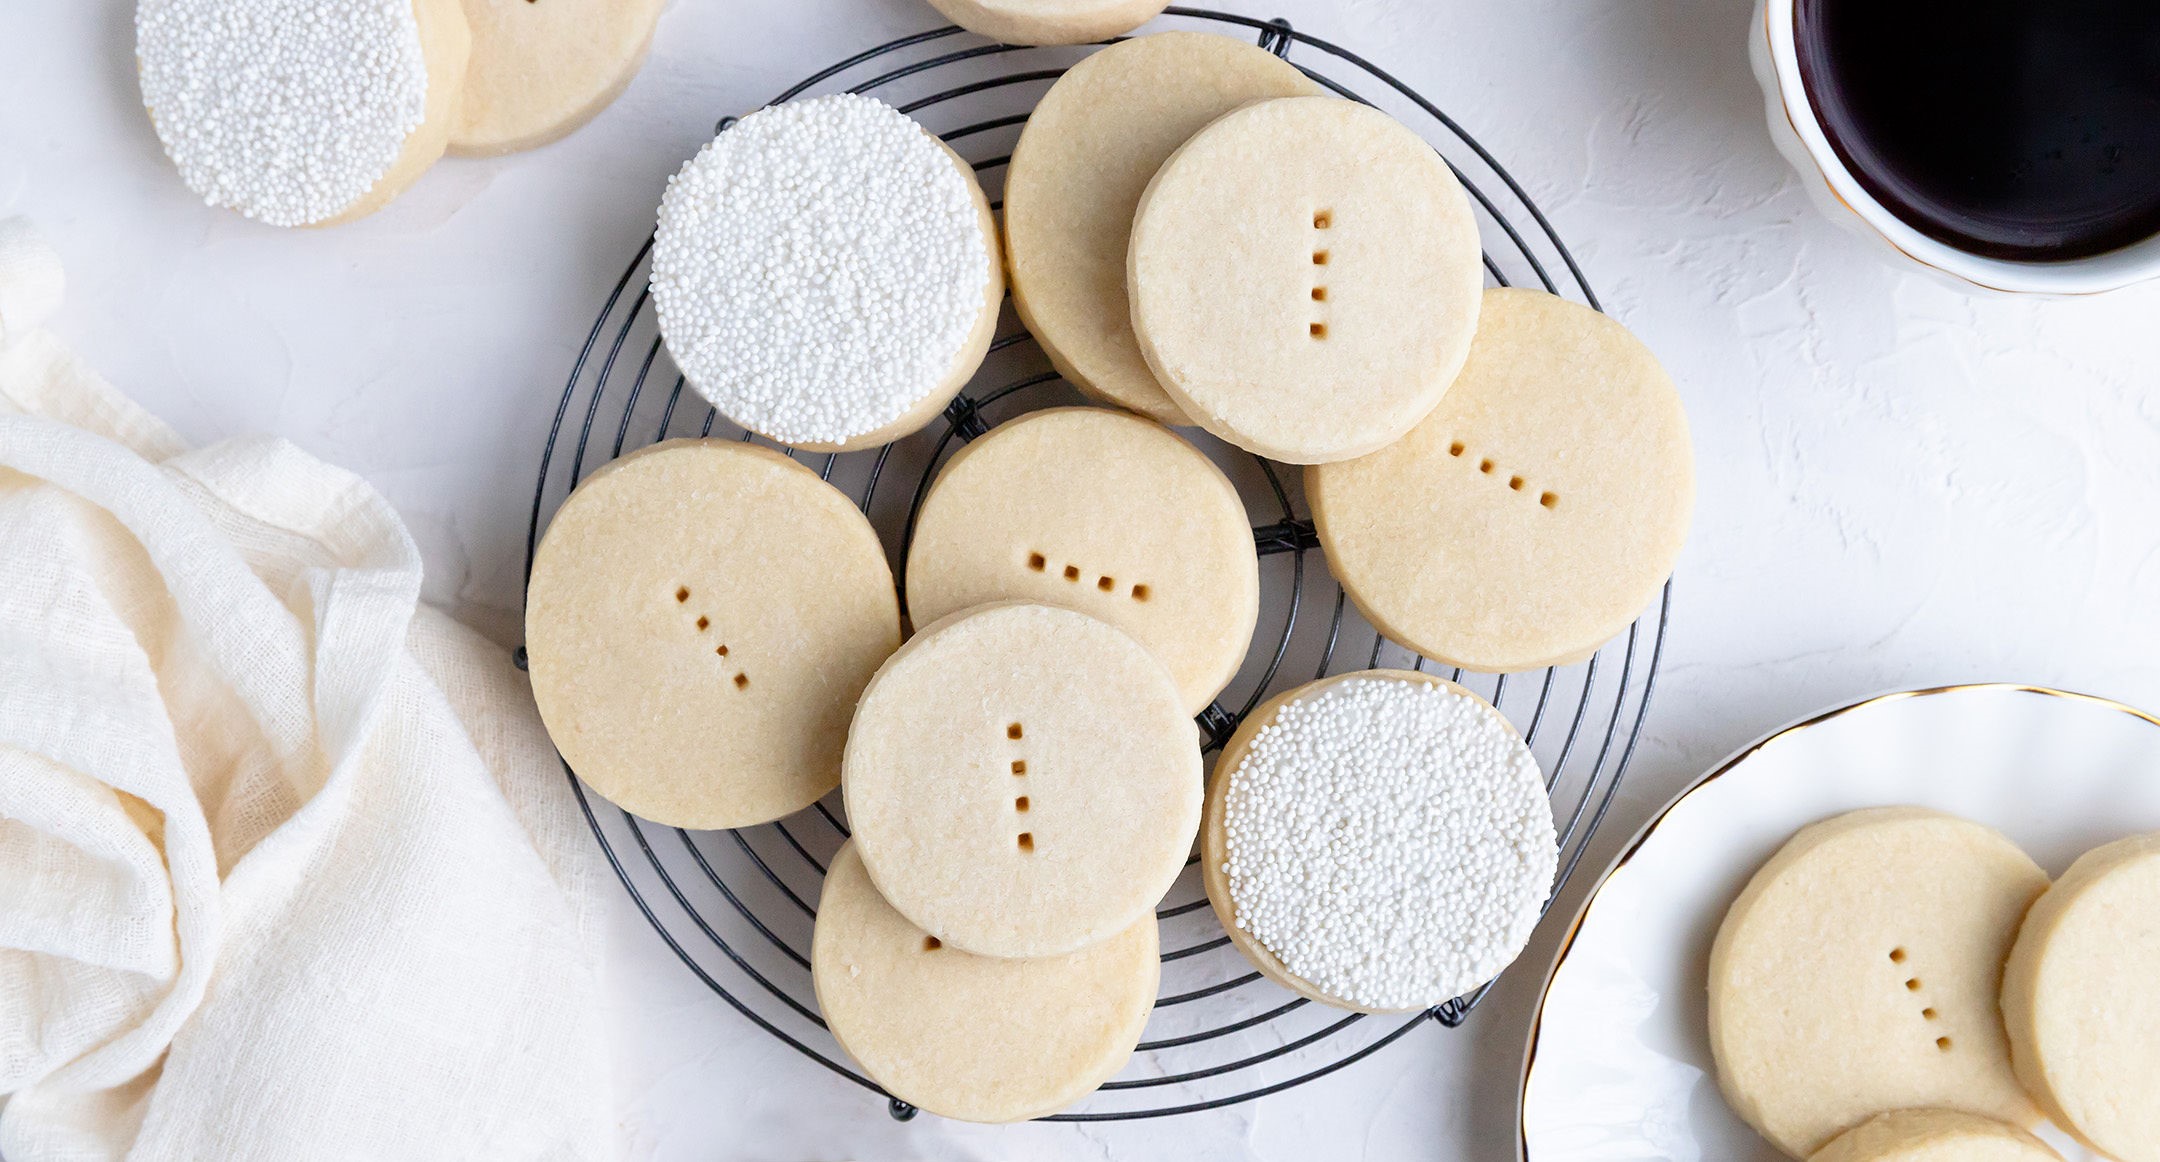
column 1567, row 942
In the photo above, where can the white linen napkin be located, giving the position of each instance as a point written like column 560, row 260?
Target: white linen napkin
column 288, row 869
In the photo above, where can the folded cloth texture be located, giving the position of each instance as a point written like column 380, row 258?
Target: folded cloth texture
column 288, row 868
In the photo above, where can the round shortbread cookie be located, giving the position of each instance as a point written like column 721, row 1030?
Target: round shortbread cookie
column 541, row 68
column 1049, row 21
column 1102, row 512
column 1857, row 973
column 1022, row 780
column 1934, row 1136
column 1304, row 275
column 826, row 273
column 979, row 1038
column 2081, row 1000
column 1535, row 512
column 1089, row 149
column 1378, row 841
column 298, row 113
column 700, row 619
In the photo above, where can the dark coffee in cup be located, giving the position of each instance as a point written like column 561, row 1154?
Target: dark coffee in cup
column 2018, row 129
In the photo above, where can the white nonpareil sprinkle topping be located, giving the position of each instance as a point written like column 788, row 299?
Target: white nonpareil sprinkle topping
column 288, row 111
column 1389, row 841
column 818, row 268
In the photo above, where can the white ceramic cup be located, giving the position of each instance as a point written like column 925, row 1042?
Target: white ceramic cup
column 1799, row 136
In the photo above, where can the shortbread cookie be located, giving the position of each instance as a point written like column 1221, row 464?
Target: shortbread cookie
column 1075, row 181
column 1858, row 971
column 1304, row 277
column 541, row 68
column 979, row 1038
column 1934, row 1136
column 1535, row 512
column 2081, row 1000
column 1049, row 21
column 826, row 273
column 299, row 113
column 1378, row 841
column 700, row 619
column 1102, row 512
column 1023, row 780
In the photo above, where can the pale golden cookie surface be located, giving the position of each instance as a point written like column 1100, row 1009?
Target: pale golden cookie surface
column 980, row 1038
column 542, row 68
column 700, row 619
column 1304, row 276
column 1934, row 1136
column 2081, row 1000
column 1858, row 972
column 1089, row 149
column 1535, row 512
column 1102, row 512
column 1049, row 21
column 1022, row 780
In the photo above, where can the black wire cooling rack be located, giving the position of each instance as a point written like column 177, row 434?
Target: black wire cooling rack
column 736, row 906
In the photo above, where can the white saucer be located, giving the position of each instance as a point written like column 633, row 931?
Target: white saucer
column 1618, row 1064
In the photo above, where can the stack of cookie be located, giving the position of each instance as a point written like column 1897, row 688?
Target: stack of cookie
column 299, row 113
column 1900, row 984
column 1197, row 236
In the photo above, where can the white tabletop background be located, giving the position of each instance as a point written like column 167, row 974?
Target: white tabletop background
column 1900, row 484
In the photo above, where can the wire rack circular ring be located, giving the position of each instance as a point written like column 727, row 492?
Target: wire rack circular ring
column 736, row 906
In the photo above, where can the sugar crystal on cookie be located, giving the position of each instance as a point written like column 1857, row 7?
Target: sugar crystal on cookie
column 819, row 267
column 288, row 111
column 1388, row 841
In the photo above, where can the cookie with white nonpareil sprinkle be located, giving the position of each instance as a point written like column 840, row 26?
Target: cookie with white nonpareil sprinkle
column 1304, row 278
column 1934, row 1136
column 1535, row 512
column 1049, row 21
column 1102, row 512
column 1901, row 915
column 979, row 1038
column 826, row 273
column 1076, row 177
column 700, row 619
column 541, row 69
column 299, row 113
column 2081, row 999
column 1022, row 780
column 1379, row 841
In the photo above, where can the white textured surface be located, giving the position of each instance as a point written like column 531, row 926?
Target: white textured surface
column 818, row 268
column 1899, row 484
column 288, row 111
column 1389, row 841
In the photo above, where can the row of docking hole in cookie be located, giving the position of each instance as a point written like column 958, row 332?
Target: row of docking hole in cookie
column 1014, row 732
column 1038, row 563
column 1548, row 499
column 1912, row 984
column 704, row 625
column 1321, row 220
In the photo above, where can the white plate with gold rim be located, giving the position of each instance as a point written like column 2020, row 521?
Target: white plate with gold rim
column 1618, row 1063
